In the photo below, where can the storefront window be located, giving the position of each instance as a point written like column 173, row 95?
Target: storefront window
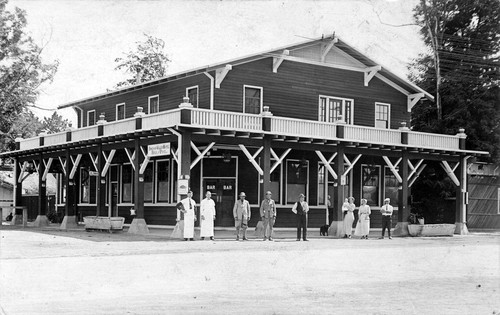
column 88, row 187
column 391, row 185
column 148, row 183
column 370, row 183
column 127, row 179
column 162, row 182
column 296, row 179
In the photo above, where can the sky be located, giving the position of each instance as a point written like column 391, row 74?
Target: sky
column 86, row 36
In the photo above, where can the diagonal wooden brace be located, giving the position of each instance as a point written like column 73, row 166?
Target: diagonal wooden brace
column 417, row 174
column 75, row 162
column 108, row 160
column 279, row 159
column 414, row 169
column 94, row 160
column 201, row 154
column 392, row 168
column 145, row 162
column 23, row 169
column 47, row 168
column 450, row 172
column 351, row 164
column 131, row 156
column 251, row 159
column 63, row 164
column 327, row 163
column 36, row 165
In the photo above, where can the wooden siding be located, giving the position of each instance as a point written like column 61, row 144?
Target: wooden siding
column 483, row 202
column 170, row 96
column 295, row 89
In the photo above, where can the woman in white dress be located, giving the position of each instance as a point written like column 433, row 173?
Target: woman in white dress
column 207, row 216
column 363, row 226
column 348, row 210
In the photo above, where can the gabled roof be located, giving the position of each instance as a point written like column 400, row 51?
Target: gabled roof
column 357, row 57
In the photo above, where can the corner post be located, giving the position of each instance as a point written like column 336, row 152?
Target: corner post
column 101, row 184
column 401, row 228
column 461, row 200
column 41, row 219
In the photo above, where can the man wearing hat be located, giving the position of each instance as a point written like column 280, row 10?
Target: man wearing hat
column 268, row 215
column 386, row 211
column 241, row 213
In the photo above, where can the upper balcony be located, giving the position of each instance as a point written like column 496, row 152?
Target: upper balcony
column 226, row 123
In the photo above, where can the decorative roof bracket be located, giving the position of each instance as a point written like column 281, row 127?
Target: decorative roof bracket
column 370, row 72
column 220, row 74
column 413, row 99
column 326, row 48
column 278, row 60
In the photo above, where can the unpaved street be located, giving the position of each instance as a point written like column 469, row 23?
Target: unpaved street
column 97, row 273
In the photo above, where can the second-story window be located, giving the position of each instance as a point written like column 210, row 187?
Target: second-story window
column 120, row 111
column 252, row 99
column 154, row 104
column 332, row 109
column 192, row 93
column 382, row 115
column 91, row 117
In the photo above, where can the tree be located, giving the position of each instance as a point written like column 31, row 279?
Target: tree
column 22, row 71
column 55, row 123
column 462, row 70
column 148, row 62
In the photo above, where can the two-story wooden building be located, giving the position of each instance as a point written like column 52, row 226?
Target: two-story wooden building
column 318, row 118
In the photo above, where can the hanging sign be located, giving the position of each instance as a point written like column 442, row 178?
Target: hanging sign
column 182, row 186
column 159, row 149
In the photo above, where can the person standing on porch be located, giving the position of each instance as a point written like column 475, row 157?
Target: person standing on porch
column 386, row 211
column 363, row 226
column 348, row 210
column 301, row 208
column 207, row 217
column 268, row 215
column 189, row 216
column 241, row 214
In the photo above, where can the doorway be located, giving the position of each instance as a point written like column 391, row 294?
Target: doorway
column 223, row 194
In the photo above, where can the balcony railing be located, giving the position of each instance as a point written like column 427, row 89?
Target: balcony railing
column 303, row 128
column 224, row 120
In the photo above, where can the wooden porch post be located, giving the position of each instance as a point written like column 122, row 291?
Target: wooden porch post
column 101, row 183
column 401, row 228
column 138, row 225
column 18, row 189
column 266, row 168
column 41, row 219
column 69, row 220
column 336, row 228
column 461, row 202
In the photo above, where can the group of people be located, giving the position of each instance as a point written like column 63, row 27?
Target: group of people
column 363, row 225
column 186, row 216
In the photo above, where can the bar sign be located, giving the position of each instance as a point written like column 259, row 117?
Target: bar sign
column 159, row 149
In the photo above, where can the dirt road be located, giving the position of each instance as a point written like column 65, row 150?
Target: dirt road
column 95, row 273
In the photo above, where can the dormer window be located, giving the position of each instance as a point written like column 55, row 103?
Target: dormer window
column 334, row 109
column 153, row 104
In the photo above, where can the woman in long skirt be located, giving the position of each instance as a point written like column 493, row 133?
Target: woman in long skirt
column 348, row 217
column 363, row 226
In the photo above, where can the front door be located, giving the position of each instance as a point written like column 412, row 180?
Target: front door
column 223, row 194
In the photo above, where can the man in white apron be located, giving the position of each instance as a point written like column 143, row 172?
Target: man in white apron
column 189, row 216
column 207, row 217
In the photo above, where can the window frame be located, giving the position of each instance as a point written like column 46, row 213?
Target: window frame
column 387, row 171
column 149, row 103
column 306, row 192
column 388, row 115
column 379, row 184
column 116, row 111
column 197, row 94
column 343, row 99
column 156, row 182
column 80, row 196
column 88, row 114
column 131, row 202
column 245, row 86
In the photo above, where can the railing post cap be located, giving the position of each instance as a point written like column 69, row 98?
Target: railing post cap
column 266, row 112
column 139, row 112
column 101, row 120
column 461, row 133
column 185, row 103
column 42, row 134
column 18, row 139
column 403, row 126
